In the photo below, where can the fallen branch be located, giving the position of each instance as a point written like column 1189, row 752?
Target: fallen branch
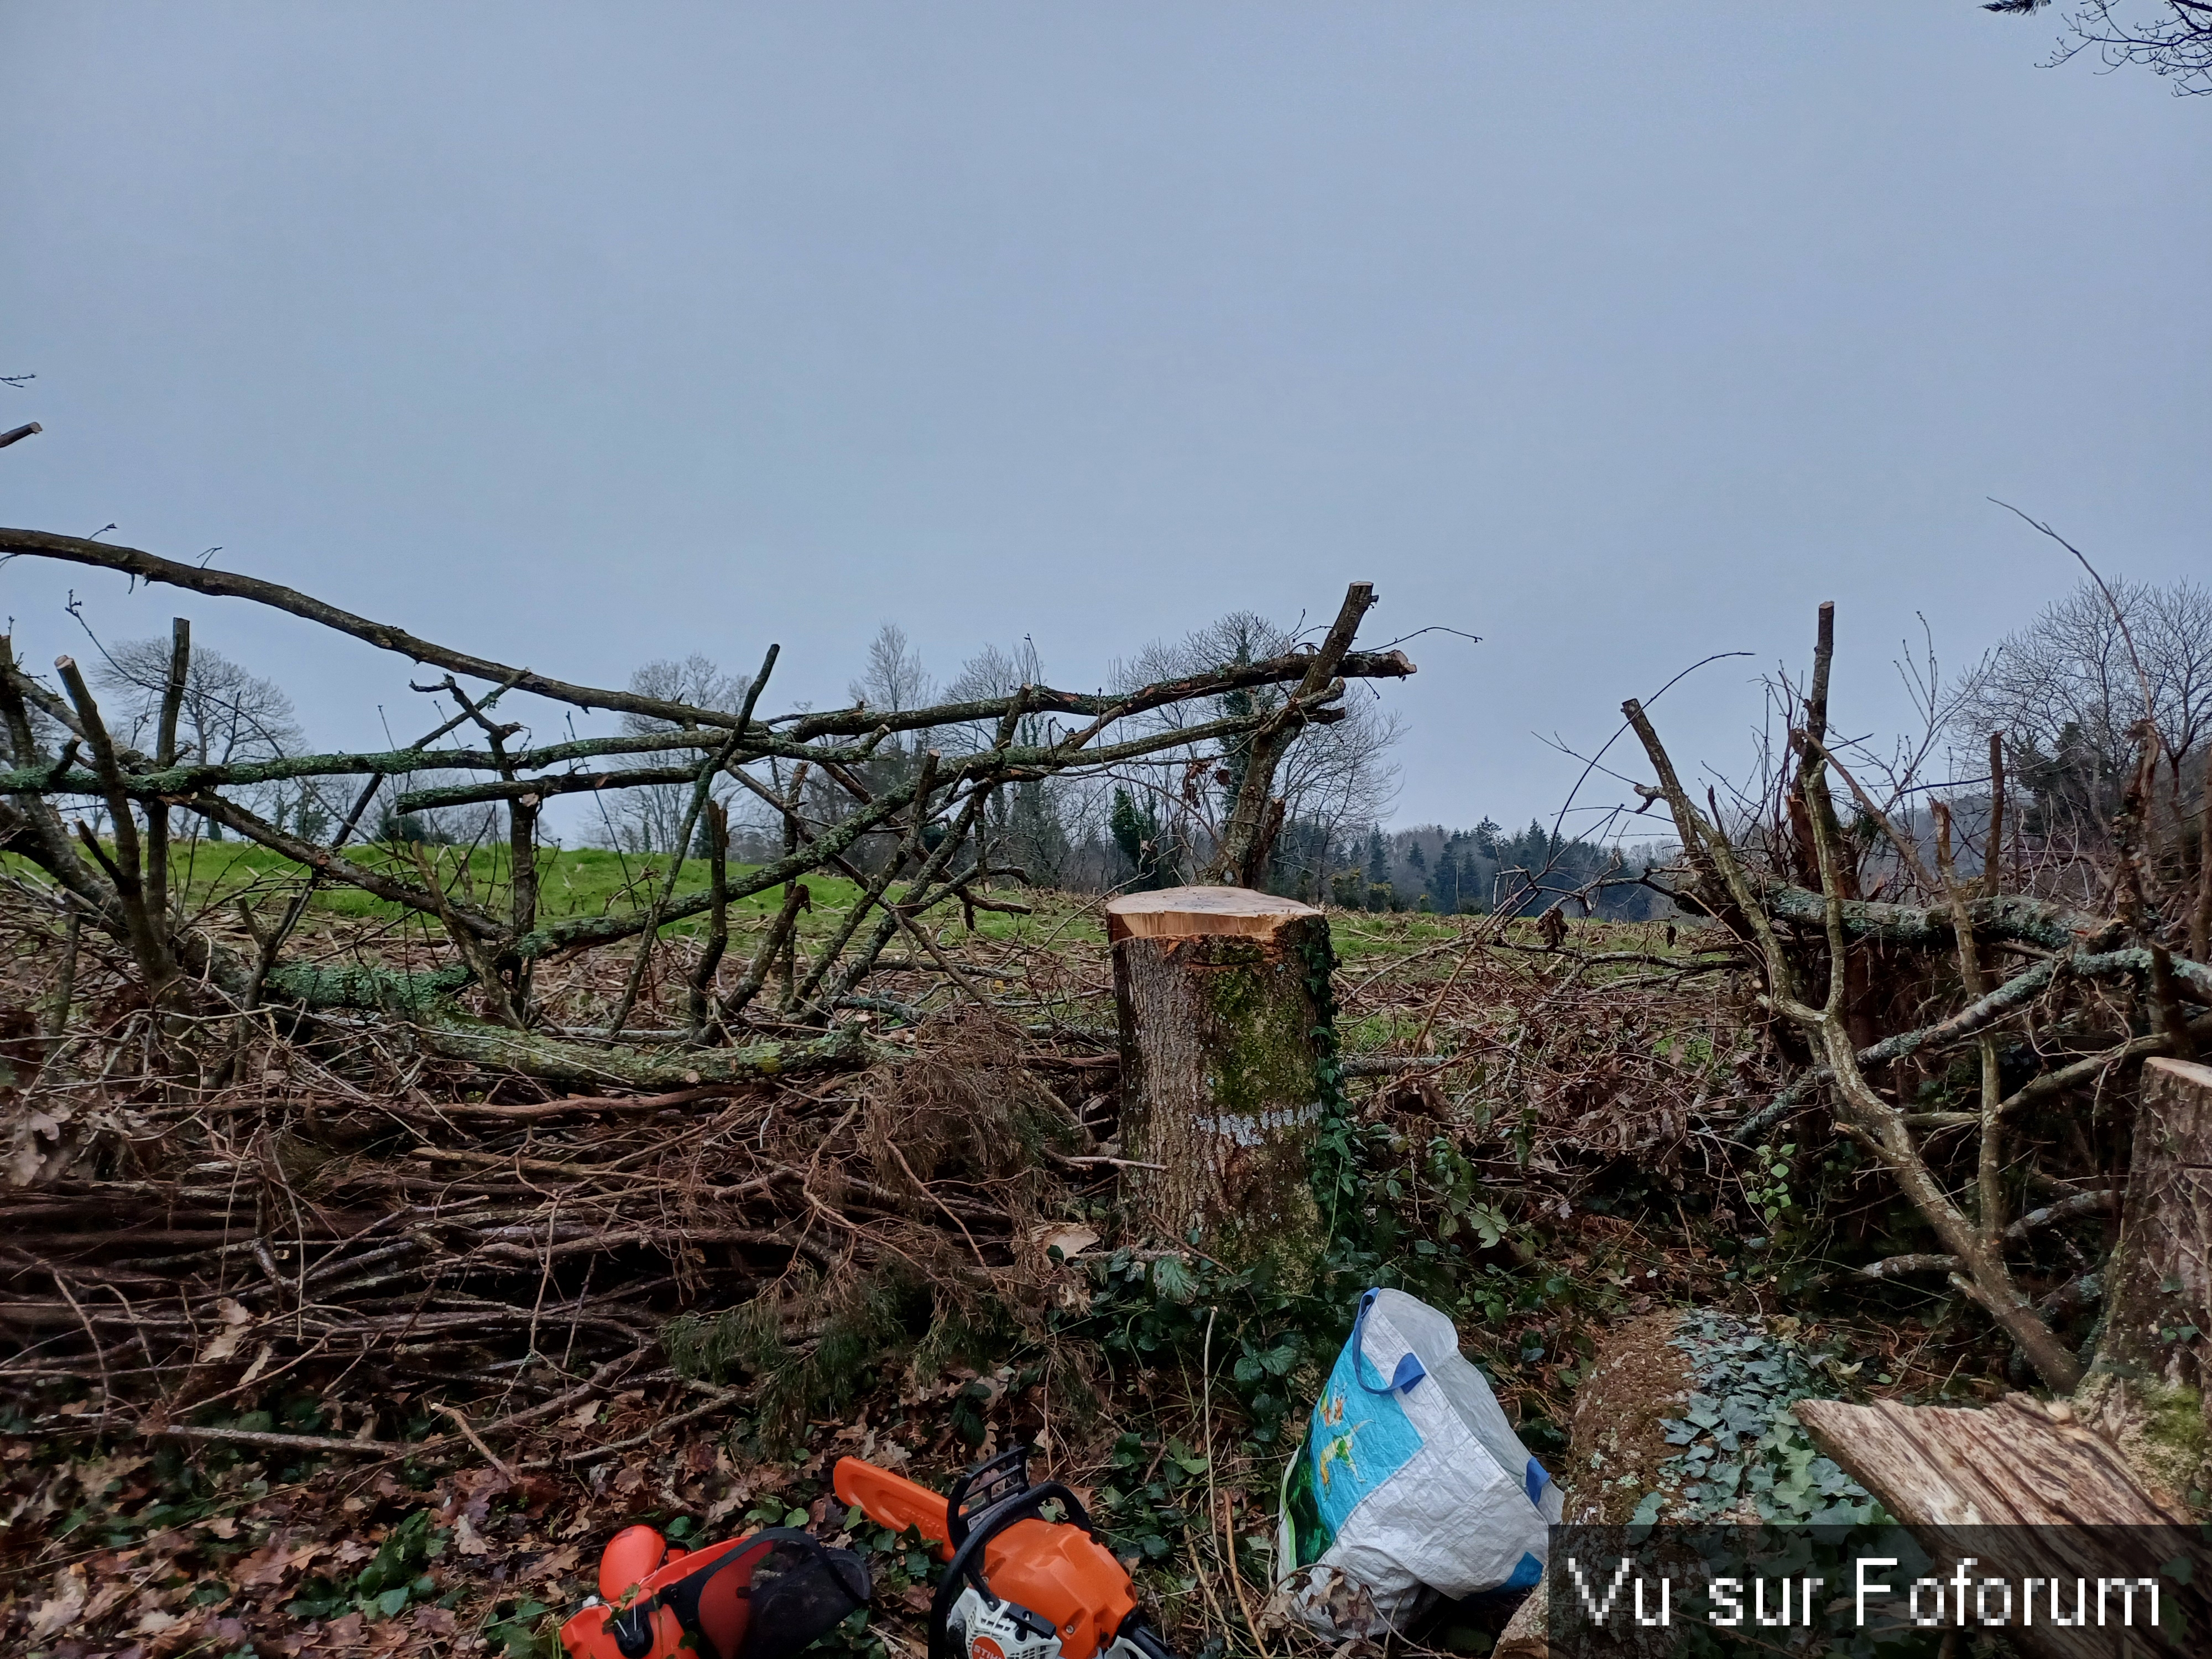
column 528, row 1054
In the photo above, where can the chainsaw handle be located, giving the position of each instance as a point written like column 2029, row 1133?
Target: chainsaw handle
column 1143, row 1637
column 981, row 1531
column 992, row 1481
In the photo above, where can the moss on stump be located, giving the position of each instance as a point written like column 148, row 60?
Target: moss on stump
column 1220, row 1053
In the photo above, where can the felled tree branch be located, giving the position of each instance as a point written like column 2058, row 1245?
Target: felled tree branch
column 149, row 935
column 1872, row 1120
column 2014, row 994
column 917, row 819
column 528, row 1054
column 151, row 567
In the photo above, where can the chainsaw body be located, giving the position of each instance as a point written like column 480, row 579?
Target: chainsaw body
column 1016, row 1586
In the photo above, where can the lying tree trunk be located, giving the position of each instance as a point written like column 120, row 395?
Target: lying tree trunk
column 1219, row 991
column 2024, row 1479
column 2146, row 1389
column 2020, row 1463
column 1527, row 1634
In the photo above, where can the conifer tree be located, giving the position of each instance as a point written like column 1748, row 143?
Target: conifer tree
column 1136, row 831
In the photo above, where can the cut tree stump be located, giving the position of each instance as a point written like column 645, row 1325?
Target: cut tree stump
column 1216, row 987
column 2146, row 1390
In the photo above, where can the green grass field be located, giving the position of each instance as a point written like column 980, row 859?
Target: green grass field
column 593, row 881
column 582, row 881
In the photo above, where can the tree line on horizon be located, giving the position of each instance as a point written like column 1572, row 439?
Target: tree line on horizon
column 2066, row 693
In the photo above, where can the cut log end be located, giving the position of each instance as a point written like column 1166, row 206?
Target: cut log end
column 2177, row 1074
column 1200, row 913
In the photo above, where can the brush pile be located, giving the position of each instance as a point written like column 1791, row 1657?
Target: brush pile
column 415, row 1142
column 332, row 1244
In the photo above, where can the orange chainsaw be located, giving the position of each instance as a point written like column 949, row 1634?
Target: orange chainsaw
column 762, row 1597
column 1016, row 1585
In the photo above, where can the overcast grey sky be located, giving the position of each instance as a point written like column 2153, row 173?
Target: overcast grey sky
column 1617, row 335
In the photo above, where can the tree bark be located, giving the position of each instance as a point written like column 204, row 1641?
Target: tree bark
column 2020, row 1463
column 1527, row 1634
column 2145, row 1388
column 2013, row 1483
column 1218, row 992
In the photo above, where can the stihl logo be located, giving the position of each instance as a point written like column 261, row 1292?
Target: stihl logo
column 984, row 1648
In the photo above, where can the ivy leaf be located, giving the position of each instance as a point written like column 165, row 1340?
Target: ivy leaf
column 1172, row 1280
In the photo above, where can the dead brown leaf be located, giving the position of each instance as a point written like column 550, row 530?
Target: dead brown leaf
column 342, row 1633
column 552, row 1566
column 266, row 1568
column 104, row 1600
column 63, row 1608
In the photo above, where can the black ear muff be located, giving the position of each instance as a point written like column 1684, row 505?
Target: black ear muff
column 633, row 1630
column 766, row 1598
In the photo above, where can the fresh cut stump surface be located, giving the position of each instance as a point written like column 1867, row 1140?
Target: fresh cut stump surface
column 1216, row 991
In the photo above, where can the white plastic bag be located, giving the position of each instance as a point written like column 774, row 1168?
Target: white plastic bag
column 1410, row 1480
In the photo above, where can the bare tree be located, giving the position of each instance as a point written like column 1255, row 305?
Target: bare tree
column 1333, row 778
column 1026, row 826
column 893, row 680
column 993, row 672
column 229, row 714
column 2068, row 690
column 649, row 820
column 2169, row 37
